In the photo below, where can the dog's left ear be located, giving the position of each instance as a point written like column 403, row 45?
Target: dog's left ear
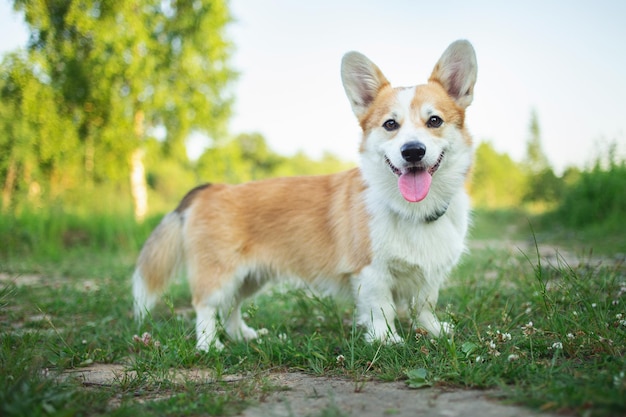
column 456, row 72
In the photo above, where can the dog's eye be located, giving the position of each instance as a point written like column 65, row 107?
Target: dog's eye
column 391, row 125
column 434, row 121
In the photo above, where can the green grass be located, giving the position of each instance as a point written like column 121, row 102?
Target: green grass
column 76, row 312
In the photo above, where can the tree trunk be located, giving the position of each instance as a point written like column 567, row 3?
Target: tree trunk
column 138, row 186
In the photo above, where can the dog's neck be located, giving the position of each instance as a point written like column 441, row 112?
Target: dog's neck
column 437, row 214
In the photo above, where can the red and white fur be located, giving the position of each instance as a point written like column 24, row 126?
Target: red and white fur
column 389, row 231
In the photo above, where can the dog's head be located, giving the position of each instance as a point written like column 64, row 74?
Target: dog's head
column 415, row 136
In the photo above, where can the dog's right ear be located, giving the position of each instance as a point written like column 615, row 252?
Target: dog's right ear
column 362, row 80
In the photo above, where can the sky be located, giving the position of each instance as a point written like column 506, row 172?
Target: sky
column 564, row 60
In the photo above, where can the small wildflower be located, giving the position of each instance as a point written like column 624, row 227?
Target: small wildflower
column 479, row 359
column 419, row 333
column 84, row 342
column 529, row 329
column 557, row 345
column 594, row 305
column 570, row 336
column 605, row 340
column 512, row 357
column 282, row 337
column 491, row 345
column 340, row 359
column 262, row 332
column 503, row 337
column 146, row 340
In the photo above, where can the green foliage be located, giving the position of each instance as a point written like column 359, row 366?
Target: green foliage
column 55, row 233
column 97, row 79
column 536, row 160
column 248, row 157
column 596, row 197
column 543, row 186
column 497, row 180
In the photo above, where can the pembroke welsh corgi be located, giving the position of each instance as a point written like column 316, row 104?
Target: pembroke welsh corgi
column 388, row 232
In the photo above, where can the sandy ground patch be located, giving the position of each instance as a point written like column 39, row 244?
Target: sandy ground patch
column 299, row 394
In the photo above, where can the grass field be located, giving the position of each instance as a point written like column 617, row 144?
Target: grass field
column 549, row 333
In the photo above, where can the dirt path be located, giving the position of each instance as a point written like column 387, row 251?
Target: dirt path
column 298, row 394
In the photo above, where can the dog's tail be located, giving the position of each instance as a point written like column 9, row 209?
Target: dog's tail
column 159, row 262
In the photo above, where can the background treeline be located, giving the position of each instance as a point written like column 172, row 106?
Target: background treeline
column 95, row 115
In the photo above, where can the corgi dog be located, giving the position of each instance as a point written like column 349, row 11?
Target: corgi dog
column 388, row 232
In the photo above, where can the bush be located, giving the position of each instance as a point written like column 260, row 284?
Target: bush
column 597, row 197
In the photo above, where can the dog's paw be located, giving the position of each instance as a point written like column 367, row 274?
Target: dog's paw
column 248, row 333
column 243, row 332
column 206, row 346
column 447, row 328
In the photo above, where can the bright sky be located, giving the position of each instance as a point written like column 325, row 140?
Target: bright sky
column 567, row 60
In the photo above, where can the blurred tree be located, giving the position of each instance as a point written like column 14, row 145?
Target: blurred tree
column 248, row 157
column 118, row 70
column 536, row 160
column 542, row 185
column 38, row 148
column 497, row 180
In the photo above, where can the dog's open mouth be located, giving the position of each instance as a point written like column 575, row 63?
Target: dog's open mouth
column 414, row 182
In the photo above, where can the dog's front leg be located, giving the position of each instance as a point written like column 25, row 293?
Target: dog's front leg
column 376, row 310
column 425, row 309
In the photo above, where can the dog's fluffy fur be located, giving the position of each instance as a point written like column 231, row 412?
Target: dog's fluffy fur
column 389, row 231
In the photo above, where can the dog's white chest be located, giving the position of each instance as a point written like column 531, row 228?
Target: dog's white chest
column 429, row 246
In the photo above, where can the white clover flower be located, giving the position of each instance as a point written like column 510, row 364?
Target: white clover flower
column 529, row 329
column 570, row 336
column 557, row 345
column 512, row 357
column 503, row 337
column 262, row 332
column 340, row 359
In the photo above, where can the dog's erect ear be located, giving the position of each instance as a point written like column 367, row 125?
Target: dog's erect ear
column 456, row 72
column 362, row 81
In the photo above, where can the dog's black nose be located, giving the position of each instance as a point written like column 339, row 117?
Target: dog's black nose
column 413, row 151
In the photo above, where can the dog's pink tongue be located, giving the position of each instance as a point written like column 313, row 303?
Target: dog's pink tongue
column 414, row 186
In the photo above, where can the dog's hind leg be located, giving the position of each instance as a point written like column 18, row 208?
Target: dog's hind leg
column 211, row 289
column 235, row 326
